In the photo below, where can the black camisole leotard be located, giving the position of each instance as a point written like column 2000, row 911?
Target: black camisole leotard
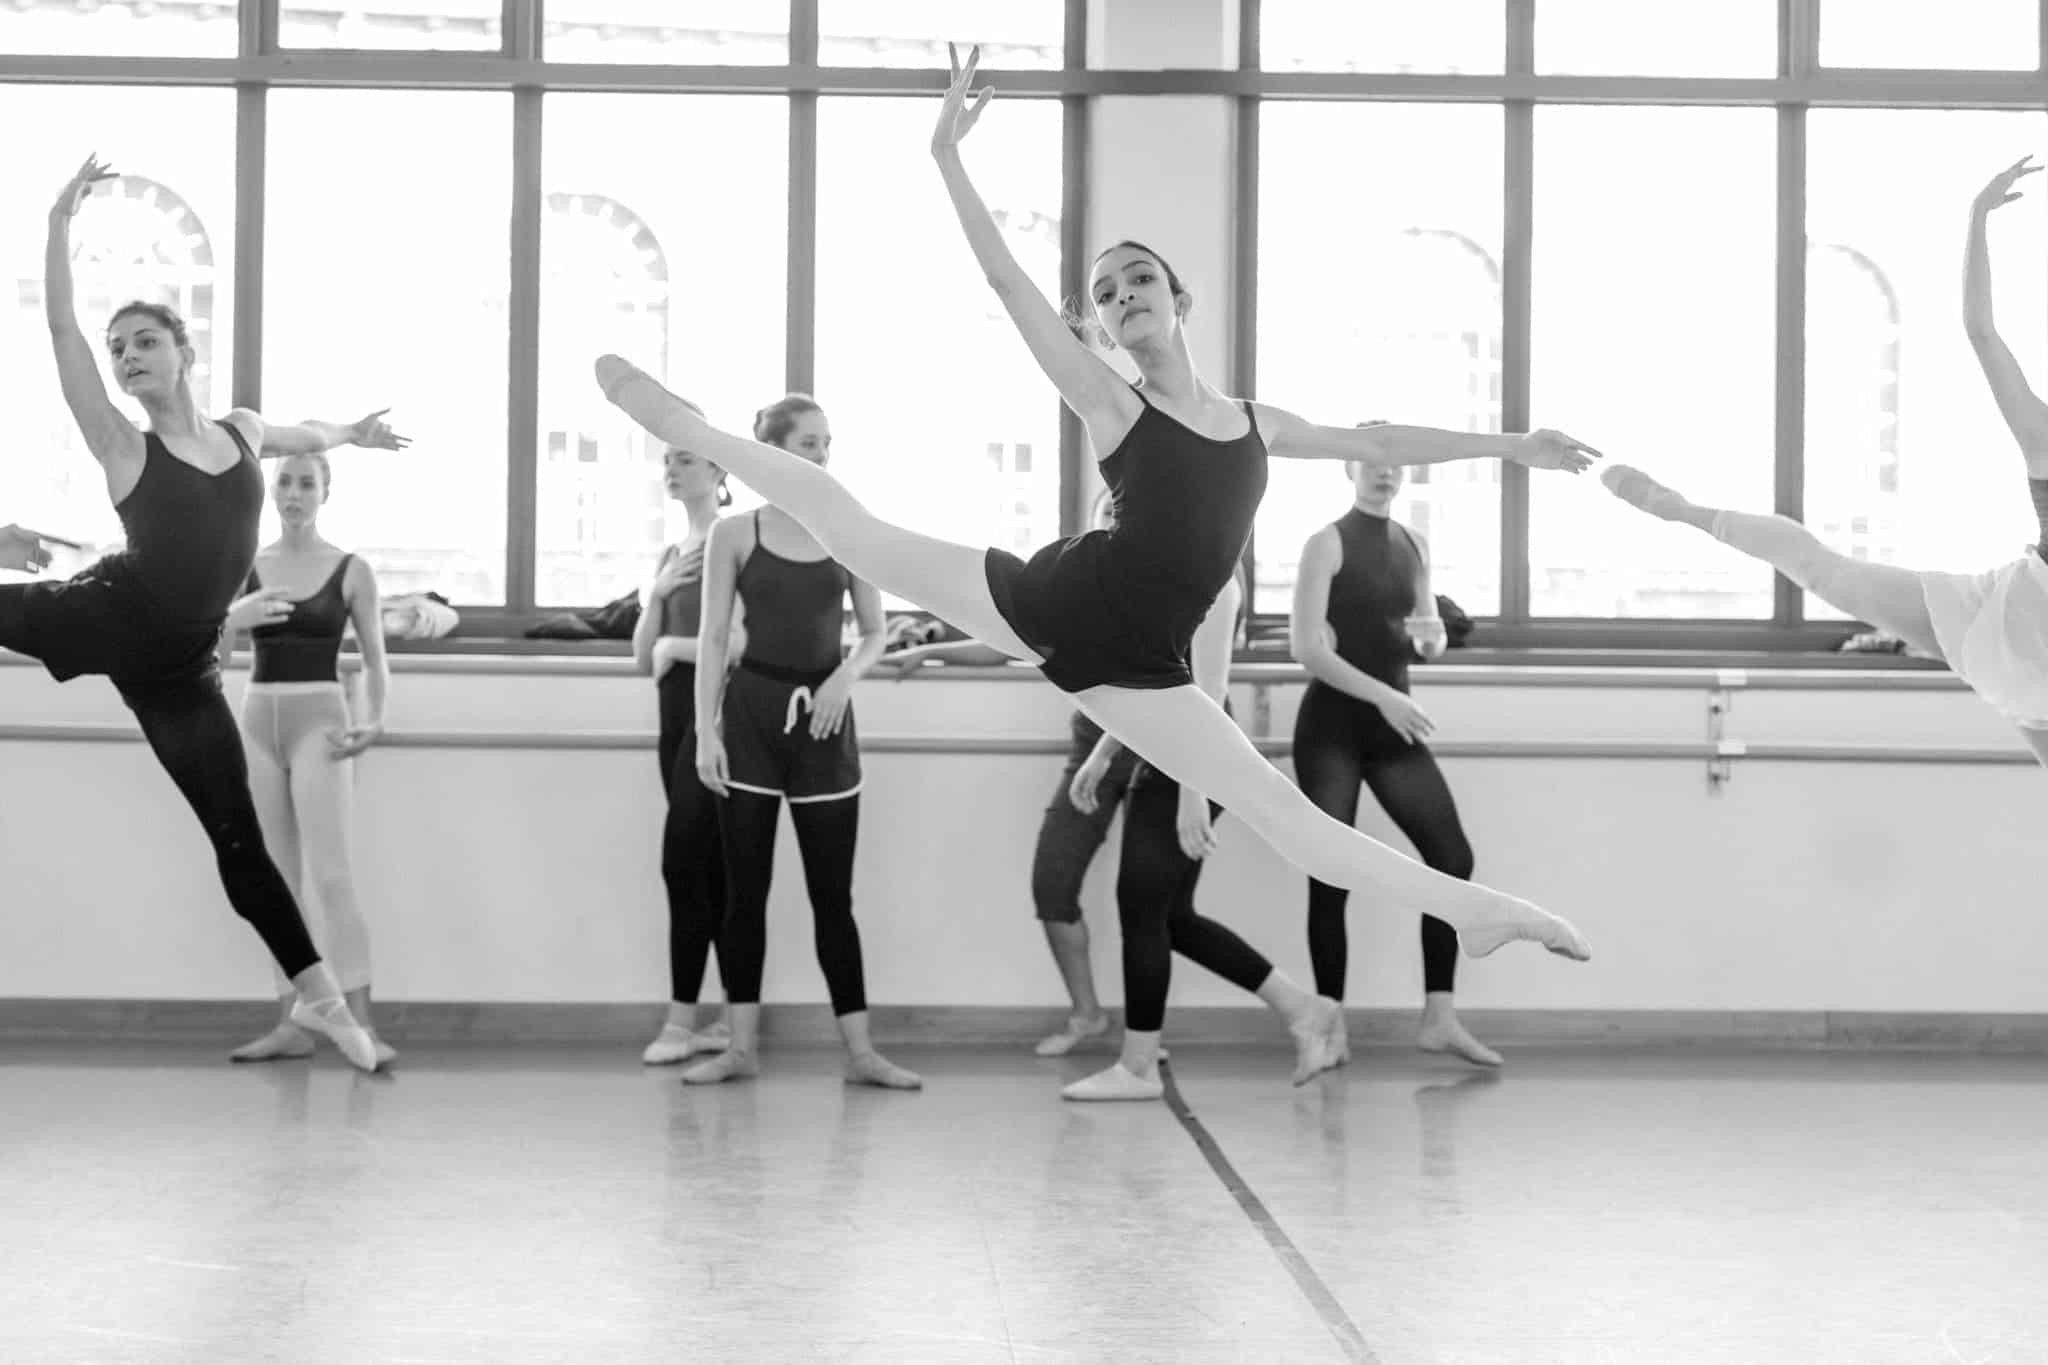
column 1120, row 607
column 306, row 645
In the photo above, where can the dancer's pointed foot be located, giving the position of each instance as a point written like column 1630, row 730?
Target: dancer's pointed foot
column 734, row 1064
column 1644, row 493
column 1079, row 1029
column 332, row 1018
column 678, row 1043
column 286, row 1042
column 1117, row 1083
column 1521, row 920
column 872, row 1068
column 1449, row 1036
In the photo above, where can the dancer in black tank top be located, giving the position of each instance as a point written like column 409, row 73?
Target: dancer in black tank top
column 692, row 863
column 301, row 741
column 1108, row 616
column 1990, row 627
column 1363, row 609
column 780, row 728
column 189, row 495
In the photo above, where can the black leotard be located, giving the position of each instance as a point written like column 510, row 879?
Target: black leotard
column 2039, row 489
column 1120, row 607
column 306, row 645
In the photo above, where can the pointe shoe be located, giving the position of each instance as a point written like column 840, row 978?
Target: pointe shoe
column 1554, row 932
column 331, row 1017
column 1316, row 1037
column 1117, row 1083
column 386, row 1054
column 286, row 1042
column 1078, row 1030
column 676, row 1043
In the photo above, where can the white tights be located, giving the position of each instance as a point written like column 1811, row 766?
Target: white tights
column 304, row 800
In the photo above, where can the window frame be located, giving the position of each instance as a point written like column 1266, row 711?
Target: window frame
column 262, row 65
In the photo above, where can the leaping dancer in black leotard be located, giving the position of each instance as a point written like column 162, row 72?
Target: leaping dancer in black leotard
column 1108, row 616
column 149, row 618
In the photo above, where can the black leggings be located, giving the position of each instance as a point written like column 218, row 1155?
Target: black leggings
column 1331, row 761
column 1155, row 900
column 692, row 861
column 826, row 832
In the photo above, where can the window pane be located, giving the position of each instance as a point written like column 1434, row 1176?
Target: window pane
column 1411, row 35
column 936, row 405
column 401, row 306
column 1630, row 38
column 700, row 33
column 632, row 262
column 1991, row 35
column 1379, row 296
column 1653, row 320
column 1028, row 35
column 416, row 26
column 163, row 231
column 1907, row 459
column 120, row 30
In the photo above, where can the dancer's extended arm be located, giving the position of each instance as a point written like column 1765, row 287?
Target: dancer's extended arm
column 1096, row 393
column 317, row 438
column 1384, row 444
column 2025, row 415
column 109, row 435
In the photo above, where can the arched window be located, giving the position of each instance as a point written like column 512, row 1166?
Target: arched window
column 1852, row 398
column 600, row 488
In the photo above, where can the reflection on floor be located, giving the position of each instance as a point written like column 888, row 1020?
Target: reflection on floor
column 1586, row 1206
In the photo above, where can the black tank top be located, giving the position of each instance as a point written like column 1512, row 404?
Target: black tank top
column 191, row 535
column 1373, row 593
column 305, row 646
column 1183, row 505
column 796, row 609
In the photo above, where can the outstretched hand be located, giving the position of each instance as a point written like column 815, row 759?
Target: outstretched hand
column 21, row 548
column 371, row 433
column 956, row 115
column 2000, row 190
column 89, row 173
column 1547, row 449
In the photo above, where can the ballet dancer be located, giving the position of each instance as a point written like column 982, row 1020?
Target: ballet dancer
column 1363, row 607
column 692, row 862
column 189, row 494
column 304, row 593
column 1991, row 627
column 1108, row 616
column 780, row 728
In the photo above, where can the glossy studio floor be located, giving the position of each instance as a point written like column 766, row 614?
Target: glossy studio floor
column 1584, row 1206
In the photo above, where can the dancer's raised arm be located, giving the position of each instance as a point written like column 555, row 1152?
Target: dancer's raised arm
column 1096, row 393
column 2025, row 414
column 1383, row 444
column 109, row 435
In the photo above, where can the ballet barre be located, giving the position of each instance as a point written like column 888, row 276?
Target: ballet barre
column 965, row 746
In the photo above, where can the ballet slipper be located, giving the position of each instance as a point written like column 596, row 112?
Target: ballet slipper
column 1077, row 1031
column 1116, row 1084
column 331, row 1017
column 872, row 1068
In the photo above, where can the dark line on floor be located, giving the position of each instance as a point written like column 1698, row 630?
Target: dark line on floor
column 1349, row 1339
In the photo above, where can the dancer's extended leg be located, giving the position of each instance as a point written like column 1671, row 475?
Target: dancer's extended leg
column 1186, row 735
column 948, row 579
column 1885, row 595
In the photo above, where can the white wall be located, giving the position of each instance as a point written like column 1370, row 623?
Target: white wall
column 531, row 875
